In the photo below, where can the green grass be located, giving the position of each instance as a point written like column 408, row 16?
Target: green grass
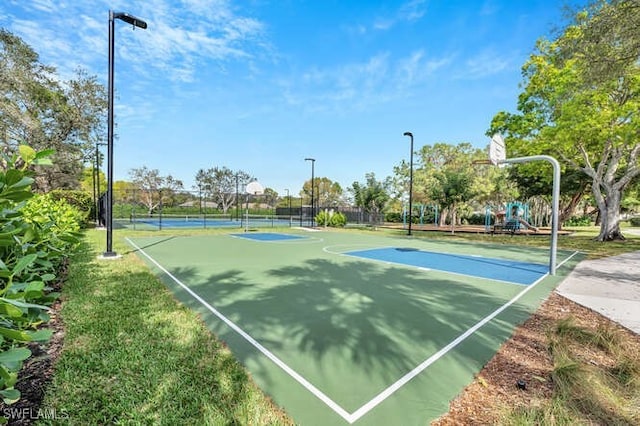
column 133, row 355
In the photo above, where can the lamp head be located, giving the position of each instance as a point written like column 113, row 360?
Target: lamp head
column 408, row 134
column 130, row 19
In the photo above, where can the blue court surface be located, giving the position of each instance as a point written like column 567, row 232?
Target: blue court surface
column 511, row 271
column 267, row 236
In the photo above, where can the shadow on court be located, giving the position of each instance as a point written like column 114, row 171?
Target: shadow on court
column 355, row 323
column 351, row 328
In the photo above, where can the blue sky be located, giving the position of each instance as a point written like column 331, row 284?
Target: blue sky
column 259, row 85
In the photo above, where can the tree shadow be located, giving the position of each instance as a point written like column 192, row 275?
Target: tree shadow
column 384, row 320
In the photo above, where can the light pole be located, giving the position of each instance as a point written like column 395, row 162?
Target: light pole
column 289, row 199
column 410, row 180
column 237, row 211
column 313, row 216
column 97, row 184
column 136, row 22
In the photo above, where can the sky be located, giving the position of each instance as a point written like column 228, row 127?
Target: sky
column 260, row 85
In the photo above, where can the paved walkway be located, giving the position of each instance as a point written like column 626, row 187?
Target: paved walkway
column 610, row 286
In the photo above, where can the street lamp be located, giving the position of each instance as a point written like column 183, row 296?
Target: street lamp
column 136, row 22
column 313, row 216
column 410, row 181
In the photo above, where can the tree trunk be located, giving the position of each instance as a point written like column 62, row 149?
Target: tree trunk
column 609, row 211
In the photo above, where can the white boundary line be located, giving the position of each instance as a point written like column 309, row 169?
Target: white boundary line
column 421, row 268
column 315, row 391
column 299, row 239
column 378, row 399
column 433, row 358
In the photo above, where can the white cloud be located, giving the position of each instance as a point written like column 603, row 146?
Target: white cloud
column 361, row 85
column 410, row 11
column 485, row 64
column 187, row 32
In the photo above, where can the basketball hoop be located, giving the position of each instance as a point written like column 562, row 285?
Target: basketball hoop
column 497, row 150
column 254, row 188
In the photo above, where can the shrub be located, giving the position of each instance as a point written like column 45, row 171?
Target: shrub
column 634, row 221
column 394, row 217
column 78, row 199
column 333, row 219
column 584, row 220
column 476, row 219
column 30, row 253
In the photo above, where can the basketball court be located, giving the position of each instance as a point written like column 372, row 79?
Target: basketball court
column 348, row 328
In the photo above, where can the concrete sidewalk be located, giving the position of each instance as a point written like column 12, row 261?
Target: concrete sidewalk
column 610, row 286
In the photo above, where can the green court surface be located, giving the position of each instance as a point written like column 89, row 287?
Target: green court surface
column 352, row 328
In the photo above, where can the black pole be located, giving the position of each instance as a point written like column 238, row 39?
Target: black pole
column 410, row 181
column 237, row 206
column 94, row 171
column 313, row 216
column 289, row 197
column 109, row 210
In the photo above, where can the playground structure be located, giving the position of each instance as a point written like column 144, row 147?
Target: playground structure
column 514, row 218
column 429, row 213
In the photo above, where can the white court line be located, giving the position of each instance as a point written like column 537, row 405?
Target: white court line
column 420, row 268
column 378, row 399
column 426, row 363
column 297, row 240
column 315, row 391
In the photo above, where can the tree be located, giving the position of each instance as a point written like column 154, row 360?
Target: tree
column 610, row 39
column 153, row 188
column 38, row 108
column 455, row 187
column 222, row 184
column 372, row 195
column 437, row 168
column 326, row 192
column 590, row 124
column 270, row 197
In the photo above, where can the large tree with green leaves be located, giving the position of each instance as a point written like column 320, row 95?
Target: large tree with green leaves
column 588, row 118
column 153, row 188
column 372, row 195
column 326, row 192
column 444, row 175
column 37, row 108
column 223, row 184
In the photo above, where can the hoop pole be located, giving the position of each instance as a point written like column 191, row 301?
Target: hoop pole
column 555, row 204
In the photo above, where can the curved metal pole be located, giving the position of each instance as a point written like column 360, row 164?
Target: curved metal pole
column 555, row 203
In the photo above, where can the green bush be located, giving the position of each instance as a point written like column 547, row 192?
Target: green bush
column 394, row 217
column 476, row 219
column 45, row 209
column 634, row 221
column 333, row 219
column 82, row 201
column 584, row 220
column 31, row 251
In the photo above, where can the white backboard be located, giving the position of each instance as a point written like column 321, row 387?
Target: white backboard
column 254, row 188
column 497, row 149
